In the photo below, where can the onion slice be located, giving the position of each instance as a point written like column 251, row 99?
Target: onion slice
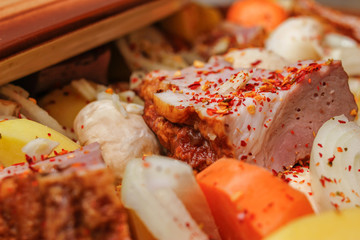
column 335, row 165
column 31, row 109
column 39, row 148
column 165, row 195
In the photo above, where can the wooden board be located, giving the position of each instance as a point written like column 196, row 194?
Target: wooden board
column 84, row 37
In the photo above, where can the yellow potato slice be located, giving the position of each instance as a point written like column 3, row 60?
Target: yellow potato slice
column 15, row 134
column 332, row 225
column 63, row 105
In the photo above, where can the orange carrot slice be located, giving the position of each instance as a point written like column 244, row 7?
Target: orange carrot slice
column 247, row 201
column 251, row 13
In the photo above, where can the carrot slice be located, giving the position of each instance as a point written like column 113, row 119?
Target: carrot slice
column 251, row 13
column 247, row 201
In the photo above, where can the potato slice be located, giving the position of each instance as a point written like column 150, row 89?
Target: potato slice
column 332, row 225
column 63, row 105
column 15, row 134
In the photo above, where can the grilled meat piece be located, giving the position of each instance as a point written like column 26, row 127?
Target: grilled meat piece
column 268, row 118
column 70, row 196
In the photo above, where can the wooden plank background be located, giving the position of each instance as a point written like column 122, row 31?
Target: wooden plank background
column 72, row 43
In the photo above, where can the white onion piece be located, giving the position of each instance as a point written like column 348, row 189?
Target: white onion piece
column 299, row 178
column 350, row 57
column 158, row 52
column 32, row 110
column 338, row 40
column 354, row 84
column 39, row 148
column 296, row 39
column 256, row 57
column 335, row 165
column 103, row 96
column 19, row 90
column 137, row 107
column 9, row 108
column 237, row 81
column 134, row 108
column 118, row 105
column 130, row 96
column 85, row 89
column 164, row 194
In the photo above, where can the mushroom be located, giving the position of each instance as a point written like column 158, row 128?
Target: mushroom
column 122, row 135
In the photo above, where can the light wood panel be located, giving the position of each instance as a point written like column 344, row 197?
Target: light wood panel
column 84, row 39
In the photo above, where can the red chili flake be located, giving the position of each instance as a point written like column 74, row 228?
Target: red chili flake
column 178, row 78
column 320, row 154
column 349, row 168
column 211, row 111
column 330, row 160
column 194, row 86
column 335, row 205
column 323, row 179
column 29, row 159
column 310, row 193
column 49, row 134
column 306, row 145
column 162, row 78
column 146, row 164
column 274, row 172
column 254, row 64
column 243, row 143
column 320, row 145
column 82, row 126
column 265, row 126
column 244, row 157
column 341, row 121
column 249, row 127
column 339, row 149
column 292, row 132
column 228, row 67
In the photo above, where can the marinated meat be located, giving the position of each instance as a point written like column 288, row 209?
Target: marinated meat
column 183, row 142
column 66, row 197
column 268, row 118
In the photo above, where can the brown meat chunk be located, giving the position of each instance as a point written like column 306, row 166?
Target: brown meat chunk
column 268, row 118
column 183, row 142
column 68, row 197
